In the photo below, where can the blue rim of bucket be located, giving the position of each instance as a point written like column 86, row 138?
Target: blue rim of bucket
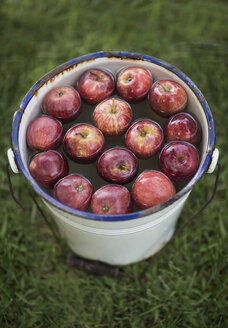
column 122, row 55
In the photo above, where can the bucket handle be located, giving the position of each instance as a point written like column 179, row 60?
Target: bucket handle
column 36, row 203
column 96, row 267
column 189, row 221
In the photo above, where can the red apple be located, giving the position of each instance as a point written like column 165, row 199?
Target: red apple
column 167, row 98
column 179, row 160
column 111, row 200
column 48, row 167
column 63, row 103
column 152, row 188
column 133, row 83
column 74, row 190
column 144, row 138
column 117, row 165
column 113, row 116
column 95, row 85
column 183, row 127
column 83, row 143
column 44, row 133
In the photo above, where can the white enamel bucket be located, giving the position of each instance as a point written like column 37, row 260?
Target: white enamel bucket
column 118, row 239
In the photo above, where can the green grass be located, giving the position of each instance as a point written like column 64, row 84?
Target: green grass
column 186, row 286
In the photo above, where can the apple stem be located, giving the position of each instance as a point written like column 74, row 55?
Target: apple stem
column 128, row 77
column 113, row 107
column 181, row 159
column 166, row 89
column 81, row 134
column 106, row 208
column 141, row 131
column 79, row 187
column 99, row 78
column 59, row 94
column 122, row 166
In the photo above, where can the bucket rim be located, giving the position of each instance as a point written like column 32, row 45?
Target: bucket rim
column 121, row 55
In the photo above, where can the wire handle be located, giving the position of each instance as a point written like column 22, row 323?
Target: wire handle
column 37, row 205
column 11, row 187
column 97, row 267
column 94, row 267
column 185, row 225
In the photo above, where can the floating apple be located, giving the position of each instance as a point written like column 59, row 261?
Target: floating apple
column 111, row 200
column 113, row 116
column 144, row 138
column 95, row 85
column 133, row 83
column 117, row 165
column 48, row 167
column 83, row 143
column 63, row 103
column 74, row 190
column 152, row 188
column 183, row 127
column 179, row 160
column 167, row 98
column 44, row 133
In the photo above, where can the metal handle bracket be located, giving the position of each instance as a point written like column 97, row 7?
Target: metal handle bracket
column 214, row 160
column 12, row 162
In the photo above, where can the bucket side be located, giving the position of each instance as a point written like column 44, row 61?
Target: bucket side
column 120, row 246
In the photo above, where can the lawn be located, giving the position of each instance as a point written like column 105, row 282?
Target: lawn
column 186, row 285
